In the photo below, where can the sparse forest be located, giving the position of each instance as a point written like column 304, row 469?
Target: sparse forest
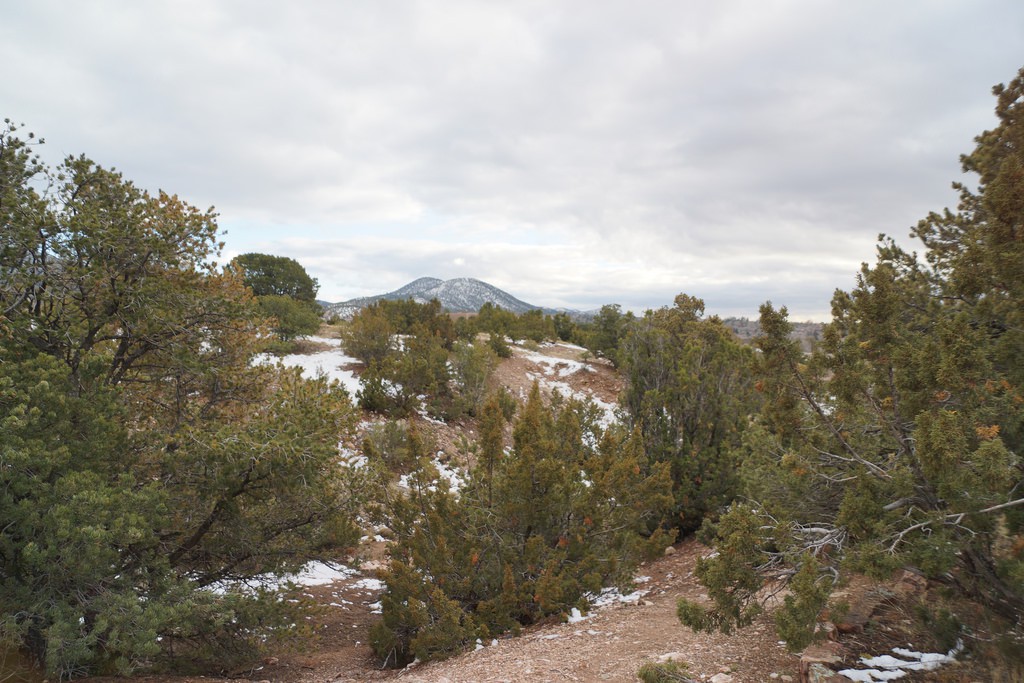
column 159, row 472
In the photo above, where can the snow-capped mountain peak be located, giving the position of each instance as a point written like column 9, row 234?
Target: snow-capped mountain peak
column 458, row 295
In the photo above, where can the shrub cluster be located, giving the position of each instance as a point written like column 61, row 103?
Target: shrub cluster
column 570, row 508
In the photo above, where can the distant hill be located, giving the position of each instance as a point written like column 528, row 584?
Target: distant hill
column 459, row 295
column 746, row 329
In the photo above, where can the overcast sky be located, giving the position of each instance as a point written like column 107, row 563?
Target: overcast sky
column 572, row 153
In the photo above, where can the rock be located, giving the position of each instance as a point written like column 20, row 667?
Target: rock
column 721, row 678
column 818, row 657
column 670, row 657
column 819, row 673
column 646, row 603
column 828, row 629
column 670, row 550
column 911, row 583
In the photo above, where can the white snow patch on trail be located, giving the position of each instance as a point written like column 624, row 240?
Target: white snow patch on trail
column 611, row 596
column 552, row 365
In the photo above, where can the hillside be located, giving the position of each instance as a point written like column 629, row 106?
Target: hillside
column 610, row 644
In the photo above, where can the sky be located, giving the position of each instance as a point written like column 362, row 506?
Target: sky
column 573, row 153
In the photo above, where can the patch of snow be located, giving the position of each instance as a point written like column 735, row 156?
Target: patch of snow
column 868, row 675
column 320, row 573
column 553, row 365
column 427, row 417
column 369, row 584
column 453, row 476
column 312, row 574
column 351, row 458
column 889, row 668
column 612, row 595
column 575, row 616
column 328, row 363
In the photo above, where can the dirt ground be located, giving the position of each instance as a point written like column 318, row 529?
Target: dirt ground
column 609, row 645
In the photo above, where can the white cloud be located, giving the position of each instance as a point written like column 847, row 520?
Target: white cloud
column 571, row 152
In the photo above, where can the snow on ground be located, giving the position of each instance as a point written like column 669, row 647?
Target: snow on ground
column 369, row 584
column 554, row 368
column 351, row 458
column 612, row 595
column 454, row 477
column 553, row 365
column 608, row 410
column 312, row 574
column 320, row 573
column 889, row 668
column 329, row 363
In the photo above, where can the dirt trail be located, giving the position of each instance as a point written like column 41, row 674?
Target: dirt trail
column 613, row 643
column 609, row 645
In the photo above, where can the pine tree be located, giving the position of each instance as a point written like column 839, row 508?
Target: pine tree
column 897, row 442
column 532, row 532
column 690, row 394
column 143, row 458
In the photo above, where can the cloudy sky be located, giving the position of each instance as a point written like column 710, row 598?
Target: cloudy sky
column 573, row 153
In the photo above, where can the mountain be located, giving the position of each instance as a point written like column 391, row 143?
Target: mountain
column 459, row 295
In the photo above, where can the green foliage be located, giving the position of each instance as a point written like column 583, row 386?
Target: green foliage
column 369, row 336
column 291, row 318
column 531, row 533
column 730, row 574
column 393, row 444
column 499, row 324
column 409, row 317
column 279, row 276
column 499, row 344
column 534, row 326
column 143, row 459
column 942, row 625
column 798, row 617
column 406, row 347
column 897, row 441
column 472, row 366
column 603, row 335
column 666, row 672
column 565, row 328
column 22, row 211
column 690, row 394
column 494, row 320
